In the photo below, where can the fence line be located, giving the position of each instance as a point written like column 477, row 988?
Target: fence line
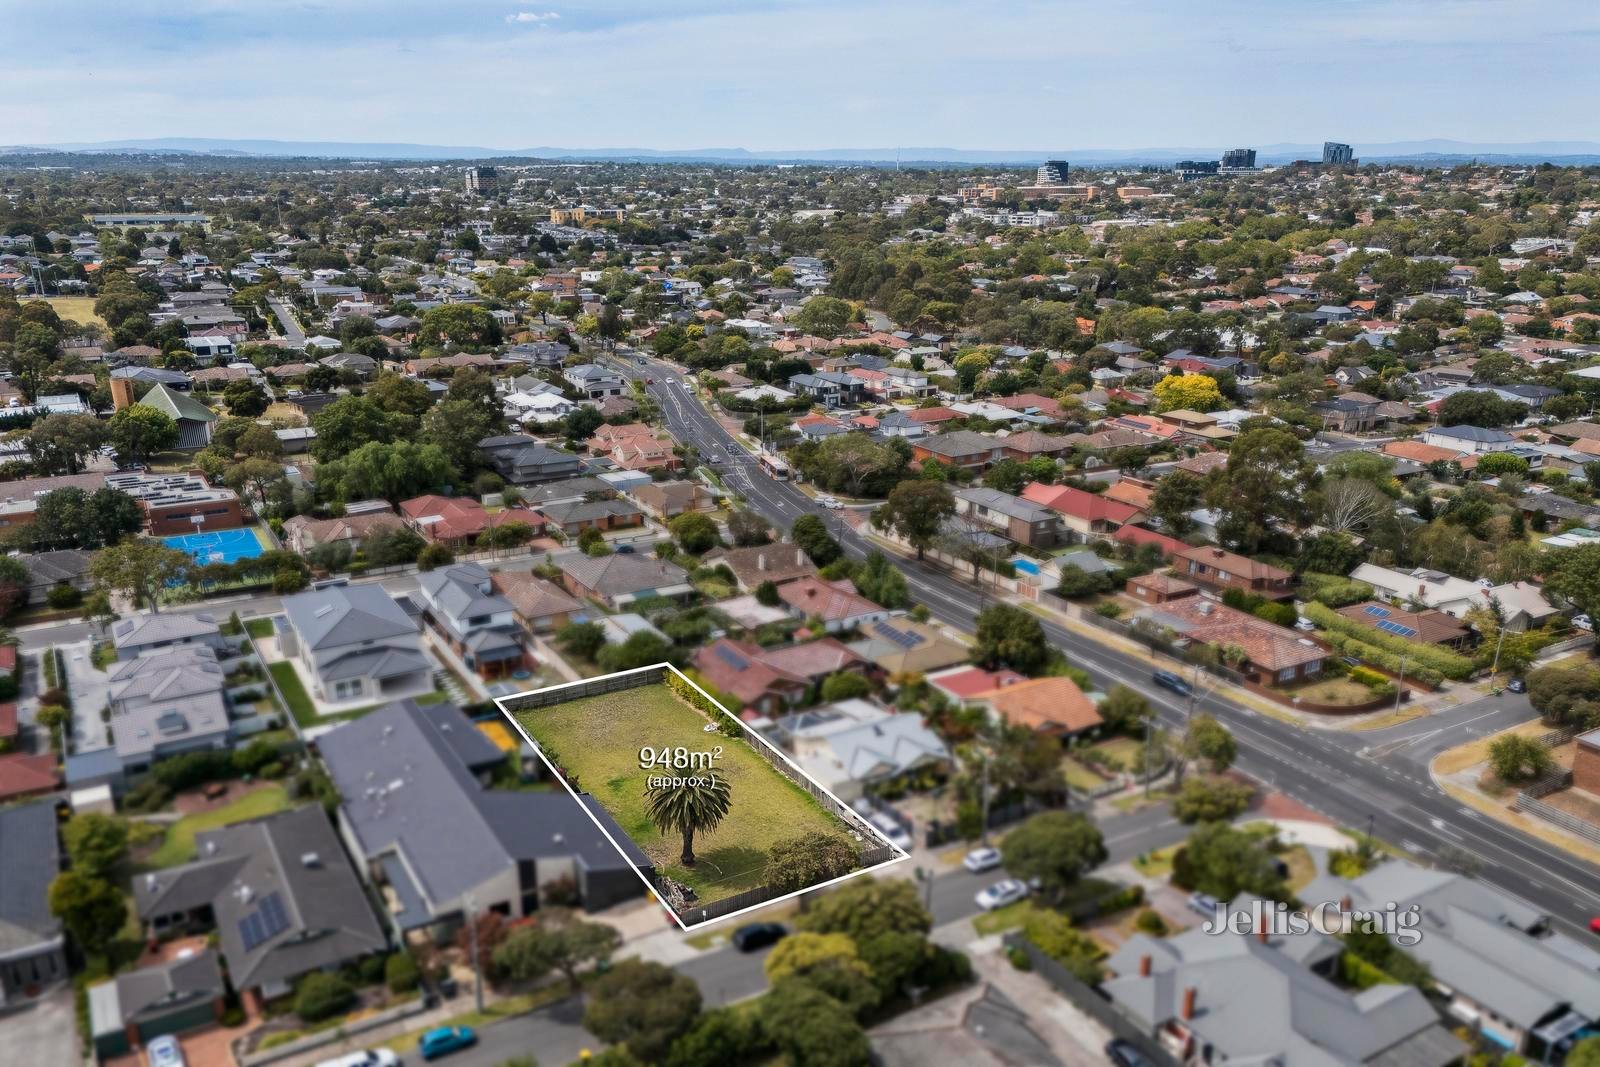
column 1093, row 1002
column 871, row 856
column 1555, row 816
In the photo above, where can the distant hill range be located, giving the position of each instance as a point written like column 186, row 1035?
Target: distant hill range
column 1438, row 152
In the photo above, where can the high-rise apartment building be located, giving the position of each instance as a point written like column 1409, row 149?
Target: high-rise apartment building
column 1239, row 159
column 482, row 181
column 1336, row 154
column 1054, row 172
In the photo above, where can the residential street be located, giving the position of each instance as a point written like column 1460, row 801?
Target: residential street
column 1322, row 769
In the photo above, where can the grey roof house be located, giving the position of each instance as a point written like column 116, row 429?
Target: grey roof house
column 32, row 949
column 165, row 998
column 279, row 891
column 164, row 703
column 429, row 832
column 481, row 625
column 623, row 579
column 523, row 460
column 1270, row 998
column 138, row 635
column 1500, row 967
column 355, row 643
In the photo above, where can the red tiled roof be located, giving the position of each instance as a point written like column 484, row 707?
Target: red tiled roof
column 964, row 684
column 1079, row 504
column 1054, row 705
column 833, row 603
column 21, row 775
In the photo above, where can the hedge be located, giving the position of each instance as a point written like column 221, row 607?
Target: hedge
column 1451, row 665
column 1359, row 974
column 1334, row 591
column 1346, row 645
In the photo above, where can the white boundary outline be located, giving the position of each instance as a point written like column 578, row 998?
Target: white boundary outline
column 755, row 738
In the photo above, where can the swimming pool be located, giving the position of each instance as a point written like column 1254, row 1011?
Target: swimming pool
column 218, row 546
column 1025, row 565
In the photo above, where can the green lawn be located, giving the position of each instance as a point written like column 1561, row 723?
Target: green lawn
column 294, row 693
column 1125, row 750
column 179, row 845
column 258, row 628
column 1081, row 777
column 597, row 740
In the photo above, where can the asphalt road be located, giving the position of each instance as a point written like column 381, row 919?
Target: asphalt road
column 291, row 325
column 1322, row 769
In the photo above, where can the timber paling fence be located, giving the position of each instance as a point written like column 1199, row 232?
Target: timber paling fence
column 1092, row 1002
column 872, row 853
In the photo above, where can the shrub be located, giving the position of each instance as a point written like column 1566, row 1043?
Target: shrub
column 1346, row 645
column 63, row 596
column 1440, row 661
column 1020, row 959
column 1333, row 590
column 1278, row 612
column 322, row 996
column 400, row 973
column 1210, row 800
column 1149, row 921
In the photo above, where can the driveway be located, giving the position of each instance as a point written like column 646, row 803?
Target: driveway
column 89, row 687
column 43, row 1032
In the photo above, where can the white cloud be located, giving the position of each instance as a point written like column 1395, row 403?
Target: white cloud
column 533, row 16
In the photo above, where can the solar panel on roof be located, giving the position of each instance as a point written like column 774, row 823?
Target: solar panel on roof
column 731, row 658
column 1376, row 612
column 268, row 921
column 1389, row 626
column 250, row 931
column 274, row 915
column 900, row 637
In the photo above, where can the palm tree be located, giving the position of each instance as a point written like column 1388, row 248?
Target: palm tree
column 688, row 806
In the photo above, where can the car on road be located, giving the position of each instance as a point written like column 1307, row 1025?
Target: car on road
column 829, row 502
column 1168, row 680
column 1124, row 1054
column 981, row 859
column 752, row 936
column 165, row 1051
column 1594, row 925
column 624, row 550
column 1517, row 685
column 445, row 1040
column 372, row 1057
column 1202, row 904
column 1006, row 891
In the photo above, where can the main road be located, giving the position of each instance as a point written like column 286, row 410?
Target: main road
column 1328, row 771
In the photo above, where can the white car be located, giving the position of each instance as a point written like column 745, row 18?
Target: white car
column 1006, row 891
column 1583, row 622
column 892, row 830
column 165, row 1051
column 831, row 503
column 981, row 859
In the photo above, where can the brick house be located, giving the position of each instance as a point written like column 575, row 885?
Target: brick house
column 1218, row 568
column 1586, row 763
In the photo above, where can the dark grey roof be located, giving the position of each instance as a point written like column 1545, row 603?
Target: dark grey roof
column 373, row 663
column 64, row 565
column 147, row 629
column 407, row 774
column 589, row 510
column 1475, row 434
column 151, row 992
column 1479, row 941
column 32, row 860
column 346, row 614
column 459, row 590
column 290, row 902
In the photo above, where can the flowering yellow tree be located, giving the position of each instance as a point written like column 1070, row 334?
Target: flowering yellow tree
column 1188, row 392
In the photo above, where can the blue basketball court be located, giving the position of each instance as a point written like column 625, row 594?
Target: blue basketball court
column 219, row 546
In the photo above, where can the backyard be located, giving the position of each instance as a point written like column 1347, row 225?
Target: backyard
column 179, row 844
column 596, row 740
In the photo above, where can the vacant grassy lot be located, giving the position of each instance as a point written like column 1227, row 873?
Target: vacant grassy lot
column 179, row 845
column 79, row 309
column 597, row 740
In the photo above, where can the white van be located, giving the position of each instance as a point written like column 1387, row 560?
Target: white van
column 376, row 1057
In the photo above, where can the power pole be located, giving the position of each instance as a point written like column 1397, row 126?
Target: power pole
column 1400, row 686
column 983, row 795
column 477, row 969
column 1501, row 640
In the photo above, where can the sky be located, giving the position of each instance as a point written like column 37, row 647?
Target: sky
column 799, row 74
